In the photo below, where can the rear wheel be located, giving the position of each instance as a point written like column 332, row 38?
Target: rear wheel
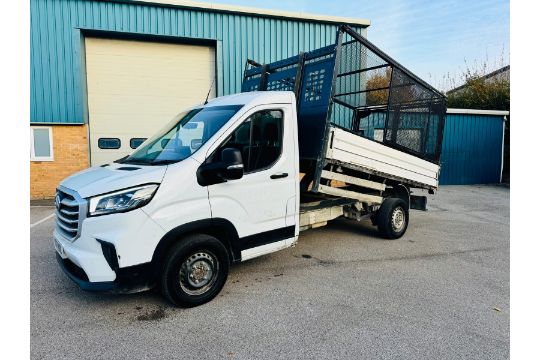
column 194, row 271
column 393, row 218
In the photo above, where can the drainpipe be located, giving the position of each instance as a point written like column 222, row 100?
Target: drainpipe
column 502, row 146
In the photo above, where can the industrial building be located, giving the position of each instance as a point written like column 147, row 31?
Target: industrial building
column 106, row 74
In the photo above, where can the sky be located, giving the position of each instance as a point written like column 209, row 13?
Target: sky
column 435, row 39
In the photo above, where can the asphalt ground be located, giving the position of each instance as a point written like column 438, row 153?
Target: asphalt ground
column 440, row 292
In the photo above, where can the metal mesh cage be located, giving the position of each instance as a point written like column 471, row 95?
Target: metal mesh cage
column 385, row 102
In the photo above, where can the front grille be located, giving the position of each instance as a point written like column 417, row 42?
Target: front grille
column 67, row 215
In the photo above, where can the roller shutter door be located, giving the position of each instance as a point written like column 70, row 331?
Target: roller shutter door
column 136, row 87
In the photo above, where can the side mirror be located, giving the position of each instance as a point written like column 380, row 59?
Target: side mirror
column 233, row 167
column 230, row 167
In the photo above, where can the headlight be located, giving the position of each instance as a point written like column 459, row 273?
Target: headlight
column 120, row 201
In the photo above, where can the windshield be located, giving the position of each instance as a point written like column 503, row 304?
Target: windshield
column 181, row 137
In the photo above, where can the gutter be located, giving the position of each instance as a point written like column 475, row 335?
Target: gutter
column 254, row 11
column 477, row 112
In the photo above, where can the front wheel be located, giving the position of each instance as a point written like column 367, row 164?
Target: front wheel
column 194, row 271
column 393, row 218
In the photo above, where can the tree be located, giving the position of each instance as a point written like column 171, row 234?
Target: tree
column 403, row 88
column 378, row 80
column 481, row 92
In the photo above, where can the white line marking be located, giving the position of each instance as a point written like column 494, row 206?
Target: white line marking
column 41, row 221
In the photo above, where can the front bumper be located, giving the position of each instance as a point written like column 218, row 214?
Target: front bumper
column 135, row 279
column 112, row 254
column 77, row 274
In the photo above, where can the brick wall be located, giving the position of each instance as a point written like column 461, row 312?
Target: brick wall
column 70, row 149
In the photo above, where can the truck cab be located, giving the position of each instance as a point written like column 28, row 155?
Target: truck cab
column 218, row 184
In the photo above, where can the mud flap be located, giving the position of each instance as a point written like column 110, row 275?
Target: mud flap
column 418, row 202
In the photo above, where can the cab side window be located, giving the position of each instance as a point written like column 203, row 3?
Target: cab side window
column 259, row 139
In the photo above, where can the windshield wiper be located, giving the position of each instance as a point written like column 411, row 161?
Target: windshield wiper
column 126, row 160
column 163, row 162
column 121, row 160
column 134, row 162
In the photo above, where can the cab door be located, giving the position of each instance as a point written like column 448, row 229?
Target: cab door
column 257, row 204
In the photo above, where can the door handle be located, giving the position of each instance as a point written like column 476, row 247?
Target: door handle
column 279, row 176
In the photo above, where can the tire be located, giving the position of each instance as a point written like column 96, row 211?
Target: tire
column 393, row 218
column 194, row 270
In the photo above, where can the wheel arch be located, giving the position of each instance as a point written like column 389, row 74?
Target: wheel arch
column 402, row 192
column 221, row 229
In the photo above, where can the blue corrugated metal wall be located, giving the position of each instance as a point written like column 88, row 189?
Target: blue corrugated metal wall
column 472, row 149
column 57, row 80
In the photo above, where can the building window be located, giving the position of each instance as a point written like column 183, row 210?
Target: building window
column 136, row 142
column 109, row 143
column 41, row 143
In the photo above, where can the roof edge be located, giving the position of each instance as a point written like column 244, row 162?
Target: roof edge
column 478, row 112
column 256, row 11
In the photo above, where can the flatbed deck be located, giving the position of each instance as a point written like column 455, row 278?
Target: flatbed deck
column 371, row 157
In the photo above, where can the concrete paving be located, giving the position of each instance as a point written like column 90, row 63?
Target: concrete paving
column 440, row 292
column 39, row 213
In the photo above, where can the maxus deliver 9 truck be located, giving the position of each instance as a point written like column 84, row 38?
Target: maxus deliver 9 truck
column 342, row 131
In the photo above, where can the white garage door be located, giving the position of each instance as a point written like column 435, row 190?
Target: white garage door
column 135, row 87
